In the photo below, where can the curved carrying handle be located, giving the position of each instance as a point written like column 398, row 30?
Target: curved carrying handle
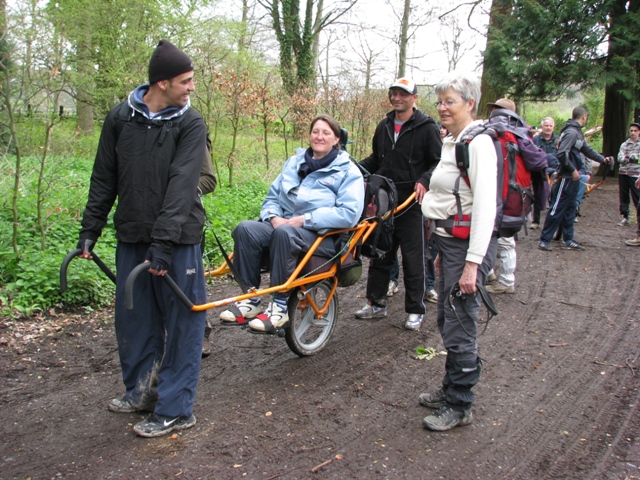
column 73, row 254
column 131, row 280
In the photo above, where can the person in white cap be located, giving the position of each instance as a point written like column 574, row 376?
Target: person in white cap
column 406, row 149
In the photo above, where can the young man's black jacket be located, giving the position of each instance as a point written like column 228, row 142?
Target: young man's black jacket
column 410, row 159
column 571, row 144
column 153, row 175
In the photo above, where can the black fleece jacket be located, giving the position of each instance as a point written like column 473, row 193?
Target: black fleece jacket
column 411, row 158
column 571, row 144
column 153, row 175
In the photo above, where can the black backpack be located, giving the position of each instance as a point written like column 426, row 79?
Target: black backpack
column 128, row 114
column 380, row 199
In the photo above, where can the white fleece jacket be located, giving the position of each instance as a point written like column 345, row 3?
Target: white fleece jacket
column 480, row 200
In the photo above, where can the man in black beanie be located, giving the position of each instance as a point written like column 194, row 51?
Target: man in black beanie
column 150, row 157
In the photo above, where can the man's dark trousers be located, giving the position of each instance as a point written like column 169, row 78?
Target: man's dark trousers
column 562, row 211
column 157, row 309
column 409, row 235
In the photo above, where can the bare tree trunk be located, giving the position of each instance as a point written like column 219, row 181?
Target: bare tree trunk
column 85, row 87
column 43, row 164
column 617, row 107
column 499, row 9
column 297, row 34
column 242, row 41
column 316, row 28
column 404, row 39
column 5, row 97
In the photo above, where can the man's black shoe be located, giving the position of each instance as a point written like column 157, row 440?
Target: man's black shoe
column 158, row 425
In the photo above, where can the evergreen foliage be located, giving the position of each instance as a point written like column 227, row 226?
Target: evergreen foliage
column 541, row 48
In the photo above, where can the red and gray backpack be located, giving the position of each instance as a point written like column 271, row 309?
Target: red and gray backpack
column 517, row 157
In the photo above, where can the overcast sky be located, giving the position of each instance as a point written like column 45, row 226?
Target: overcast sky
column 373, row 25
column 427, row 60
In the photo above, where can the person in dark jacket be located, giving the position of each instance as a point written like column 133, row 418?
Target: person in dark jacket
column 154, row 173
column 562, row 212
column 546, row 140
column 406, row 149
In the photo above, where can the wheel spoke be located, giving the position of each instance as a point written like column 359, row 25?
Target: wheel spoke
column 303, row 326
column 320, row 322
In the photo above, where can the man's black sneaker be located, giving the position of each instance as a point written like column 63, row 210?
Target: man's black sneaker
column 542, row 245
column 158, row 425
column 435, row 399
column 572, row 245
column 448, row 417
column 122, row 405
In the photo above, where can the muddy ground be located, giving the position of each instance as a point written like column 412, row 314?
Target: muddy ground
column 559, row 395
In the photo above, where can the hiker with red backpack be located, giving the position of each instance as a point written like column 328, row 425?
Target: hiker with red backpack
column 562, row 211
column 466, row 251
column 530, row 161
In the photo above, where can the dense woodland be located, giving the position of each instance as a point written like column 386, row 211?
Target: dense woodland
column 264, row 68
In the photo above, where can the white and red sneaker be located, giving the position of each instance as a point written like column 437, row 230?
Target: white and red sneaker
column 248, row 309
column 275, row 316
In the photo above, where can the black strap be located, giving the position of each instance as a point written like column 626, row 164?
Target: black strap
column 233, row 270
column 127, row 113
column 486, row 299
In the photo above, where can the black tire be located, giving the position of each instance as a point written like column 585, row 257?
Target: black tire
column 305, row 334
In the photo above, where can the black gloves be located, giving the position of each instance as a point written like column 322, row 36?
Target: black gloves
column 86, row 245
column 159, row 259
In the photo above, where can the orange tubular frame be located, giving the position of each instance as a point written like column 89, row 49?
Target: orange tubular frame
column 360, row 233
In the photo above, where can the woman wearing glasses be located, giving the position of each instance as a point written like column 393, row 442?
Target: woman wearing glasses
column 465, row 257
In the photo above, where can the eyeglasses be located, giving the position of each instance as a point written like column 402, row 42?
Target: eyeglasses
column 446, row 104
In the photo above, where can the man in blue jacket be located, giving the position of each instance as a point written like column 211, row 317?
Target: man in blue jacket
column 154, row 172
column 562, row 211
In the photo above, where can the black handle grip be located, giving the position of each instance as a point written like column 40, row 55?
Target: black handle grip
column 73, row 254
column 131, row 280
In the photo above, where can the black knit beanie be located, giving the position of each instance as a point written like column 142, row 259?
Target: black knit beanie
column 167, row 61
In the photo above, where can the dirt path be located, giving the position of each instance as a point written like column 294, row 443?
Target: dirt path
column 558, row 396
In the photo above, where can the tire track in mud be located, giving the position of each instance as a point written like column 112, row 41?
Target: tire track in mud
column 577, row 405
column 260, row 375
column 350, row 382
column 263, row 412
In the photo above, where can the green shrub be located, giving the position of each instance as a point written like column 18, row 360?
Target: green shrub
column 225, row 209
column 29, row 279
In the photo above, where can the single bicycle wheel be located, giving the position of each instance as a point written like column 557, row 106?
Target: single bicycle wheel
column 305, row 334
